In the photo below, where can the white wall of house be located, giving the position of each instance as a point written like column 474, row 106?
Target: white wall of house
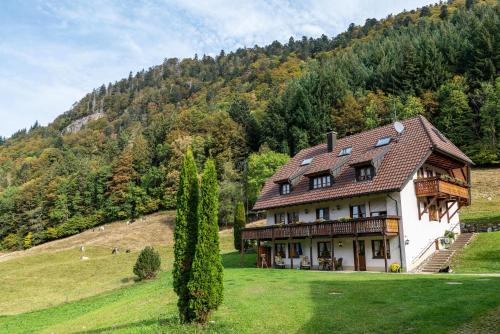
column 337, row 209
column 415, row 234
column 420, row 233
column 346, row 252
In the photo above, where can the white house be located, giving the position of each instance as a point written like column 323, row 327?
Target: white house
column 375, row 198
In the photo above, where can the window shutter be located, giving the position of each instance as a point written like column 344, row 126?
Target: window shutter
column 311, row 183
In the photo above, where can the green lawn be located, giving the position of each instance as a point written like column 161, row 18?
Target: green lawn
column 485, row 197
column 280, row 301
column 481, row 256
column 48, row 279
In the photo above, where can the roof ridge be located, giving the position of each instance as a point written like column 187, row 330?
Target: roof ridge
column 364, row 132
column 422, row 119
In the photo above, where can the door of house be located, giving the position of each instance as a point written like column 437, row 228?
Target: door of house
column 361, row 255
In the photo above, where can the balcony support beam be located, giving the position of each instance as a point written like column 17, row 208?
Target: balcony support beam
column 446, row 212
column 458, row 208
column 420, row 214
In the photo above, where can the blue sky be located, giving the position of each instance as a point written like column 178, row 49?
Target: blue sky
column 53, row 52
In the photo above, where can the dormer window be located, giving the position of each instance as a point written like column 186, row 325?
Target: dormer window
column 285, row 188
column 345, row 151
column 365, row 173
column 383, row 141
column 321, row 181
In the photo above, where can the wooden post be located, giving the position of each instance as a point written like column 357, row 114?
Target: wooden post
column 385, row 252
column 242, row 253
column 356, row 255
column 258, row 253
column 332, row 242
column 272, row 252
column 331, row 247
column 290, row 252
column 385, row 245
column 311, row 251
column 356, row 246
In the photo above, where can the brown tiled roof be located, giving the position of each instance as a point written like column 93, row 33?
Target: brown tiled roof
column 371, row 154
column 442, row 143
column 402, row 157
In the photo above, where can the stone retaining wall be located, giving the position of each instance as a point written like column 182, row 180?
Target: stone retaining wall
column 484, row 227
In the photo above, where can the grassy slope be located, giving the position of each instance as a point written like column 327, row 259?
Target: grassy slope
column 485, row 197
column 53, row 274
column 482, row 255
column 280, row 301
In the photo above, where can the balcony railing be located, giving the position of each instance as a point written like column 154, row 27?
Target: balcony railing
column 435, row 186
column 363, row 226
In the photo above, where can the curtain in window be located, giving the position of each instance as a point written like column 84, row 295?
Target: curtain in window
column 295, row 249
column 280, row 250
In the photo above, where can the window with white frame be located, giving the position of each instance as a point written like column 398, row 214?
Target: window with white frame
column 285, row 188
column 358, row 211
column 321, row 181
column 322, row 214
column 365, row 173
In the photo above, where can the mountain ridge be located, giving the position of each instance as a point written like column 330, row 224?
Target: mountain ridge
column 439, row 61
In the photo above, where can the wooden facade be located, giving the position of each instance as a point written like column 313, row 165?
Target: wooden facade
column 435, row 186
column 388, row 225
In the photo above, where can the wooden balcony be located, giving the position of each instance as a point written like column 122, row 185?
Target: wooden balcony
column 438, row 187
column 332, row 228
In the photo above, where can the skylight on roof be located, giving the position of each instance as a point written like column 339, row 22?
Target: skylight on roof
column 345, row 151
column 383, row 141
column 306, row 161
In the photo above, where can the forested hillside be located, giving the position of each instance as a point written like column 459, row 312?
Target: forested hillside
column 116, row 154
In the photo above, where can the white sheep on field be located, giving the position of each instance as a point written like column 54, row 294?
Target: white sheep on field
column 84, row 258
column 101, row 228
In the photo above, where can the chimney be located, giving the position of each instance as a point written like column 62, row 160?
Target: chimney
column 331, row 140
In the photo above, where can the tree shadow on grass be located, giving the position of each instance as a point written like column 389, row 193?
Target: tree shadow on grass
column 168, row 325
column 395, row 304
column 128, row 326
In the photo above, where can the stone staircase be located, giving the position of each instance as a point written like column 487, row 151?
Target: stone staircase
column 442, row 257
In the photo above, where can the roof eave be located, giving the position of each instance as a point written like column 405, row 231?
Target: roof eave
column 324, row 200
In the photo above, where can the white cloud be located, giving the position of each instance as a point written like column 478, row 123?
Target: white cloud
column 53, row 52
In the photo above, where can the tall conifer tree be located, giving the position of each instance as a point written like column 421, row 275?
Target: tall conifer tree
column 206, row 286
column 239, row 223
column 186, row 232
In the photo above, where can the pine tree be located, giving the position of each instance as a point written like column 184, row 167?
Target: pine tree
column 444, row 12
column 239, row 223
column 186, row 232
column 205, row 285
